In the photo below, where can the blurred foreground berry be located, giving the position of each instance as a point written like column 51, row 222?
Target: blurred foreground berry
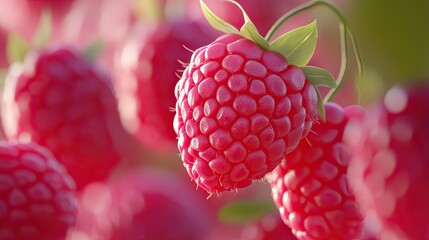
column 59, row 100
column 310, row 187
column 142, row 204
column 37, row 198
column 146, row 74
column 388, row 171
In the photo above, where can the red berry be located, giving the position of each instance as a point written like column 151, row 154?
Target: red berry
column 270, row 227
column 148, row 204
column 389, row 169
column 59, row 100
column 240, row 109
column 147, row 75
column 310, row 187
column 37, row 198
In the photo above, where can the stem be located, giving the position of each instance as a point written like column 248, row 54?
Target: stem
column 300, row 9
column 344, row 31
column 344, row 65
column 359, row 59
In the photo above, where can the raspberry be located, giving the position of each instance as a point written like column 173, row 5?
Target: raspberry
column 310, row 187
column 240, row 109
column 147, row 77
column 59, row 100
column 388, row 170
column 142, row 204
column 270, row 227
column 36, row 194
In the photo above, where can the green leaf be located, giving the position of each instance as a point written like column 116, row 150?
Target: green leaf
column 93, row 50
column 319, row 76
column 17, row 48
column 320, row 106
column 244, row 211
column 44, row 29
column 249, row 30
column 298, row 45
column 217, row 22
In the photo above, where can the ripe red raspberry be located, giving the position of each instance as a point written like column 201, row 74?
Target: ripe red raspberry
column 388, row 171
column 37, row 198
column 146, row 77
column 270, row 227
column 311, row 188
column 240, row 109
column 59, row 100
column 142, row 204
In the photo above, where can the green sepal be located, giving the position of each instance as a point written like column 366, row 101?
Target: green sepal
column 94, row 50
column 319, row 76
column 44, row 30
column 249, row 30
column 17, row 48
column 320, row 106
column 243, row 211
column 298, row 45
column 217, row 22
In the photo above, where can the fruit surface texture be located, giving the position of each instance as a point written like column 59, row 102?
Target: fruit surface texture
column 310, row 187
column 239, row 110
column 37, row 198
column 59, row 100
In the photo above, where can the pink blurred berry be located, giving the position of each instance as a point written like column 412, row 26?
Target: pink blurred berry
column 37, row 198
column 142, row 204
column 60, row 100
column 388, row 171
column 146, row 73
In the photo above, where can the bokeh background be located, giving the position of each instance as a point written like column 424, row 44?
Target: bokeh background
column 142, row 43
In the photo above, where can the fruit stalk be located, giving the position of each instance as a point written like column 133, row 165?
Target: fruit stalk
column 344, row 31
column 344, row 65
